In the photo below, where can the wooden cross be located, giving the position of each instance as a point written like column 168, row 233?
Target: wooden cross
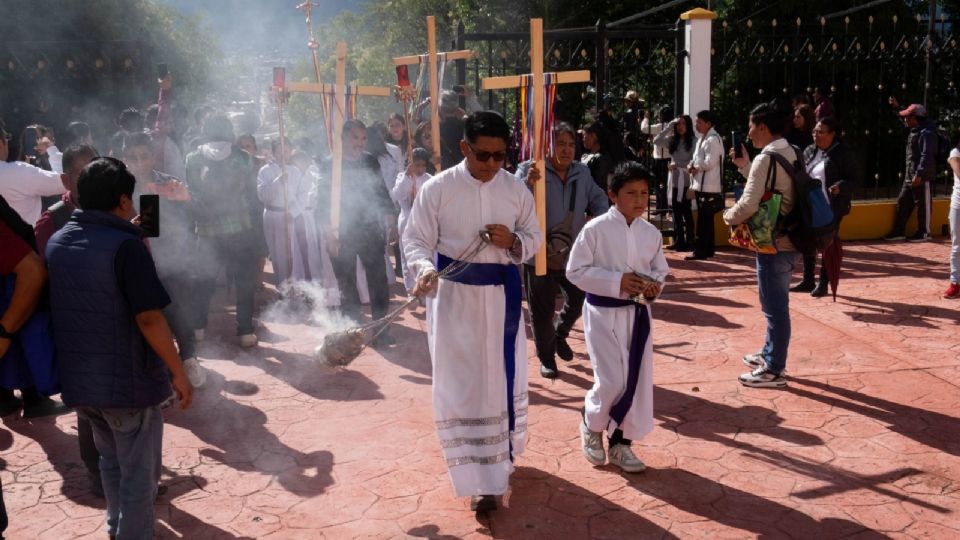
column 431, row 56
column 519, row 81
column 339, row 90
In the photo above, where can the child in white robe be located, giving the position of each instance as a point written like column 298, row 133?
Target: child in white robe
column 605, row 261
column 404, row 192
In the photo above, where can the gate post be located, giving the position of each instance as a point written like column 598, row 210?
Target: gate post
column 698, row 28
column 462, row 64
column 601, row 52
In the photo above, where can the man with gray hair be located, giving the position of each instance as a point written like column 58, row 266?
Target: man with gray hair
column 571, row 194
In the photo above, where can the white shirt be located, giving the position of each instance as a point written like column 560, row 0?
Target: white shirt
column 708, row 159
column 22, row 185
column 955, row 199
column 56, row 159
column 659, row 151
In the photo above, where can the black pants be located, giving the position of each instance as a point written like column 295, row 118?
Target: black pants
column 542, row 300
column 913, row 197
column 3, row 513
column 370, row 251
column 810, row 259
column 88, row 450
column 682, row 221
column 708, row 204
column 238, row 252
column 180, row 312
column 660, row 172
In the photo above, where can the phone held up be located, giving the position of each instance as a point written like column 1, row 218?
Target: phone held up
column 150, row 215
column 737, row 139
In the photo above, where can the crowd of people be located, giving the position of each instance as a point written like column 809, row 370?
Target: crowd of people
column 121, row 313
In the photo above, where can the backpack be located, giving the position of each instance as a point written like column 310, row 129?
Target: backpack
column 810, row 224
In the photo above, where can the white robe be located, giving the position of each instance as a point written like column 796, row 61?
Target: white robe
column 606, row 249
column 465, row 324
column 310, row 261
column 403, row 194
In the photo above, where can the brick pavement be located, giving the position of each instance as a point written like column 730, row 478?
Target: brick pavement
column 864, row 442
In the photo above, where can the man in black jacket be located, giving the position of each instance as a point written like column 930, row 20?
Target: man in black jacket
column 920, row 173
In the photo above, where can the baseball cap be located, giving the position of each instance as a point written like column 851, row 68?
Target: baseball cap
column 915, row 109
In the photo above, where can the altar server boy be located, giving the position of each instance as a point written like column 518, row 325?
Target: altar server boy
column 606, row 262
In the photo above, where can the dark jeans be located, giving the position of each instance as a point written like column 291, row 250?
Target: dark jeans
column 88, row 448
column 542, row 300
column 370, row 251
column 3, row 513
column 773, row 282
column 708, row 204
column 660, row 180
column 180, row 312
column 682, row 221
column 238, row 252
column 913, row 197
column 130, row 443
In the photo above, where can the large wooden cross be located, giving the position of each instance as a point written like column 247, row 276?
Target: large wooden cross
column 339, row 91
column 519, row 81
column 431, row 58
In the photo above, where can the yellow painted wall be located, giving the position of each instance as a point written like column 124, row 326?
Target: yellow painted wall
column 867, row 220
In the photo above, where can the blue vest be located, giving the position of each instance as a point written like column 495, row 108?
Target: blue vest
column 105, row 362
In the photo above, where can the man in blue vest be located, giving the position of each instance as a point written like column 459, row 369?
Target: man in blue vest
column 116, row 352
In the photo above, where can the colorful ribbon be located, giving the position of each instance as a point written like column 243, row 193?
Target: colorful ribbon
column 527, row 139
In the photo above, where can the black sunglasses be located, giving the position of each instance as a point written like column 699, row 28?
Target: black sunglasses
column 485, row 156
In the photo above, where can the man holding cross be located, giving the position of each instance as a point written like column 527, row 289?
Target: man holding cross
column 474, row 322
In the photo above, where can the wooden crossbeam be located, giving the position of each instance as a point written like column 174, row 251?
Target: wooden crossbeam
column 517, row 81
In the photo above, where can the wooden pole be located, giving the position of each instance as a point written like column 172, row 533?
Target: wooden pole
column 279, row 80
column 434, row 91
column 339, row 99
column 539, row 192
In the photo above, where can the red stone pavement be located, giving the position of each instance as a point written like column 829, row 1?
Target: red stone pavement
column 863, row 443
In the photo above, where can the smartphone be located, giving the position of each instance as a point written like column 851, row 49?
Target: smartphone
column 150, row 215
column 162, row 71
column 30, row 142
column 737, row 140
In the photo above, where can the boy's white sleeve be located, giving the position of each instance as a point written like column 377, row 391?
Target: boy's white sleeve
column 401, row 190
column 659, row 263
column 423, row 230
column 582, row 272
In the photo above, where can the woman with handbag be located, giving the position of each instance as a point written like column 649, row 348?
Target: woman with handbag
column 829, row 160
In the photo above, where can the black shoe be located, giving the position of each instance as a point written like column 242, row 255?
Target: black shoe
column 820, row 290
column 803, row 286
column 548, row 372
column 563, row 349
column 696, row 257
column 483, row 503
column 894, row 236
column 10, row 405
column 44, row 407
column 685, row 247
column 918, row 237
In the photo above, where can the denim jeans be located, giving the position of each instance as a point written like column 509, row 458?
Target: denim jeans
column 130, row 443
column 954, row 245
column 773, row 280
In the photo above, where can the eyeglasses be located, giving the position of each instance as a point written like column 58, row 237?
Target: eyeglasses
column 485, row 156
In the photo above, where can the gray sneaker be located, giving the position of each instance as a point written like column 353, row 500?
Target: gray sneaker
column 196, row 374
column 622, row 456
column 762, row 377
column 755, row 360
column 592, row 444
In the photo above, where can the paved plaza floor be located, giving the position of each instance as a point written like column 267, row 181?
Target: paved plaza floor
column 863, row 443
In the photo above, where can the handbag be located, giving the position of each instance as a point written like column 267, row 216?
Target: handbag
column 758, row 233
column 560, row 238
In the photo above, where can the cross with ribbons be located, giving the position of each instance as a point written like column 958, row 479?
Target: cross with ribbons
column 537, row 95
column 431, row 58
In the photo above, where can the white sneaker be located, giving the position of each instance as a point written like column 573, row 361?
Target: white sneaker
column 755, row 360
column 762, row 377
column 592, row 444
column 196, row 374
column 199, row 334
column 622, row 456
column 248, row 340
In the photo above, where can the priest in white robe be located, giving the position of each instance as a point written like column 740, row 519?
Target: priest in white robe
column 476, row 335
column 604, row 262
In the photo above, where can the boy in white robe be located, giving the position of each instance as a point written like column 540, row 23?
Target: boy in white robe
column 475, row 330
column 404, row 192
column 604, row 262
